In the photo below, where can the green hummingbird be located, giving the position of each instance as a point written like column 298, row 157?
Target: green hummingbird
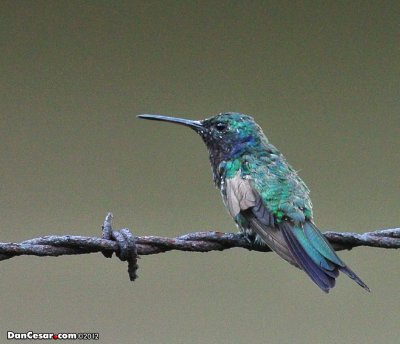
column 267, row 199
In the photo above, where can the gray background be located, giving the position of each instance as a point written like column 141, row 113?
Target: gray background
column 321, row 78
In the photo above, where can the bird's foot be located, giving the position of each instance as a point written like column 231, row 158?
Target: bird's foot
column 249, row 238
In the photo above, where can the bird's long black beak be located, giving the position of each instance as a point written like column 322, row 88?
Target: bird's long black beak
column 195, row 125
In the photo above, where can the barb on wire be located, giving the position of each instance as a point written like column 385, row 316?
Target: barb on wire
column 128, row 247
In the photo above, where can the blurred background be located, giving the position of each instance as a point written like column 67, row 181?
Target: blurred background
column 321, row 78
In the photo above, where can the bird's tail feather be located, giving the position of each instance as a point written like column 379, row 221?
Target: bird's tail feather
column 315, row 256
column 325, row 248
column 346, row 270
column 317, row 273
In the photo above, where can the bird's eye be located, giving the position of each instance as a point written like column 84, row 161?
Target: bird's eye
column 220, row 126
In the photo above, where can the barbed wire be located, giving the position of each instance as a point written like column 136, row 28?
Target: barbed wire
column 128, row 247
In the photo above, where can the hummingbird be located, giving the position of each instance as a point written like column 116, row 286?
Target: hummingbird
column 265, row 196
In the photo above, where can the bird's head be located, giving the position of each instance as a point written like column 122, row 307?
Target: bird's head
column 227, row 135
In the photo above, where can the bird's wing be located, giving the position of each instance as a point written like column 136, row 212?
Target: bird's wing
column 243, row 200
column 302, row 245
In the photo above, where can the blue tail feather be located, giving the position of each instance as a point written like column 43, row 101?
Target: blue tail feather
column 316, row 273
column 315, row 256
column 313, row 252
column 320, row 243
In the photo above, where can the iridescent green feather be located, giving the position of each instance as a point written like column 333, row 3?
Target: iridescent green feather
column 282, row 191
